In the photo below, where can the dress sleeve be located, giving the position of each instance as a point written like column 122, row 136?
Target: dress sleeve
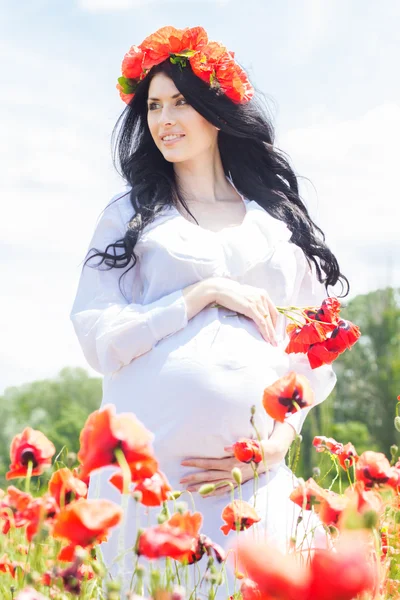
column 322, row 379
column 112, row 331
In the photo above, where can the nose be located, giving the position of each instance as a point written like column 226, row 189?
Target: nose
column 166, row 116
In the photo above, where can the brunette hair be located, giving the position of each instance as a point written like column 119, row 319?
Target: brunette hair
column 259, row 170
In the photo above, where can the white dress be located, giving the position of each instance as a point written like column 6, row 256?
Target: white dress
column 192, row 383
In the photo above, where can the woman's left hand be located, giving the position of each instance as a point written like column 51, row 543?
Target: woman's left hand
column 216, row 470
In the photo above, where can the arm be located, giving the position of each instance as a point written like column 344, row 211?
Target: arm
column 111, row 331
column 309, row 291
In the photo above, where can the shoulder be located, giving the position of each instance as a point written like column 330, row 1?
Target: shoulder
column 119, row 207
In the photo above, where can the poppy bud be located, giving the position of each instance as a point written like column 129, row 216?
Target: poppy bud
column 207, row 488
column 316, row 472
column 181, row 507
column 394, row 450
column 70, row 459
column 237, row 475
column 253, row 410
column 113, row 586
column 175, row 494
column 397, row 423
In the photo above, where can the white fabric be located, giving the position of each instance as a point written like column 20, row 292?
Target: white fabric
column 192, row 383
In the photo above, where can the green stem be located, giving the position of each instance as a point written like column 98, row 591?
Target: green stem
column 28, row 477
column 126, row 474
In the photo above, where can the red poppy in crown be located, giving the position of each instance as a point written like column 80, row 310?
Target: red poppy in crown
column 210, row 61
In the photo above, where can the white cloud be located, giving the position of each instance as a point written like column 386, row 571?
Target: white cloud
column 121, row 5
column 351, row 194
column 351, row 162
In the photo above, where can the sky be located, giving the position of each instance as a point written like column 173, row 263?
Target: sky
column 328, row 69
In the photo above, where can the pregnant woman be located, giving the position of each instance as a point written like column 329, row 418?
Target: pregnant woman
column 176, row 302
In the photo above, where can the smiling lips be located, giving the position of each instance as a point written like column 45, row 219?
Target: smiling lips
column 172, row 138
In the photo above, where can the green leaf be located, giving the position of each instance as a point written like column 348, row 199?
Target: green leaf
column 128, row 85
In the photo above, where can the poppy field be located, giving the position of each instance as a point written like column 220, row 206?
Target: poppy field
column 50, row 543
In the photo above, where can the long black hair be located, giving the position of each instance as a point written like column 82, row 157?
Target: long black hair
column 257, row 168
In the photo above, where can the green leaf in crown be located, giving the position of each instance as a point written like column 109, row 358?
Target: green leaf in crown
column 180, row 58
column 128, row 85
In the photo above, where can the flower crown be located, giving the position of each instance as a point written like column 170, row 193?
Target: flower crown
column 210, row 61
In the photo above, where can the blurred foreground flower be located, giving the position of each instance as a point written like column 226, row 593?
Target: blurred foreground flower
column 238, row 516
column 105, row 432
column 30, row 447
column 287, row 395
column 339, row 575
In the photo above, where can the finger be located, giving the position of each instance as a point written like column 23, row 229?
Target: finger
column 274, row 313
column 203, row 476
column 267, row 326
column 220, row 464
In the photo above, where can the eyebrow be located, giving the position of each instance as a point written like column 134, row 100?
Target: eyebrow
column 174, row 96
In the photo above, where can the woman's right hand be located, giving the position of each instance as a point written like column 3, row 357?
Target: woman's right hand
column 250, row 301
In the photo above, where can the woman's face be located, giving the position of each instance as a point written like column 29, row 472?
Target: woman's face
column 167, row 114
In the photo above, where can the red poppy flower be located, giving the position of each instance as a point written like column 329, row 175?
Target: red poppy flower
column 301, row 338
column 30, row 446
column 287, row 395
column 247, row 450
column 12, row 506
column 155, row 490
column 344, row 574
column 64, row 487
column 215, row 65
column 104, row 432
column 168, row 40
column 331, row 508
column 373, row 468
column 176, row 538
column 322, row 443
column 76, row 472
column 343, row 337
column 308, row 495
column 276, row 575
column 319, row 354
column 362, row 500
column 349, row 453
column 85, row 522
column 73, row 576
column 132, row 64
column 238, row 515
column 234, row 82
column 9, row 566
column 138, row 472
column 328, row 312
column 40, row 510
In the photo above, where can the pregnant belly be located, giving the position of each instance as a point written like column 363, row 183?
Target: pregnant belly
column 195, row 392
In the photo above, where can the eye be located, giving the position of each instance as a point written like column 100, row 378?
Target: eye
column 152, row 104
